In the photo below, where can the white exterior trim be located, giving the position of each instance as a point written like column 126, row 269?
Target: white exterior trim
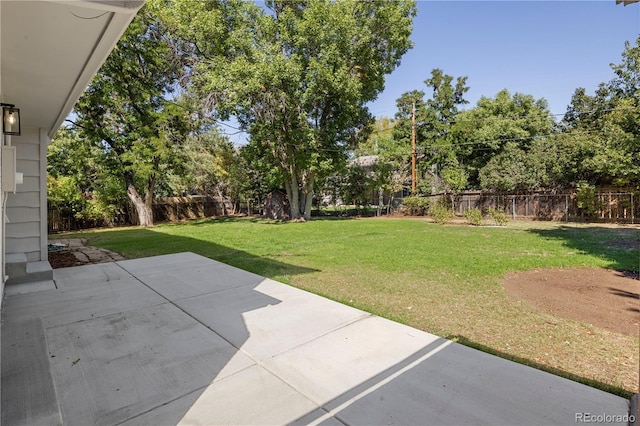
column 44, row 237
column 49, row 55
column 116, row 26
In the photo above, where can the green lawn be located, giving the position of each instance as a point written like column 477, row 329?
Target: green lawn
column 442, row 279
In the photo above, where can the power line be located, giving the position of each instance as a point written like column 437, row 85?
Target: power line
column 521, row 117
column 467, row 143
column 503, row 140
column 542, row 138
column 229, row 126
column 540, row 116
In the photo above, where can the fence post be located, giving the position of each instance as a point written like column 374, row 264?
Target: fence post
column 566, row 207
column 513, row 207
column 632, row 209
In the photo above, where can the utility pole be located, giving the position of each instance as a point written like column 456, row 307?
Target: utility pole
column 413, row 149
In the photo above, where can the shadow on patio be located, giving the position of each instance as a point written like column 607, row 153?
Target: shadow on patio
column 115, row 341
column 182, row 339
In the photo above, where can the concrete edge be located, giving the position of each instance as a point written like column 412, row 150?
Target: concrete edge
column 633, row 410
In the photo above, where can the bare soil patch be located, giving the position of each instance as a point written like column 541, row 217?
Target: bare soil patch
column 63, row 259
column 601, row 297
column 76, row 252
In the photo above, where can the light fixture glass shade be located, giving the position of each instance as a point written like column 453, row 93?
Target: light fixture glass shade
column 11, row 121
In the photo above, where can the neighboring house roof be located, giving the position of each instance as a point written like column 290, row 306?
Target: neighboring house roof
column 50, row 50
column 627, row 2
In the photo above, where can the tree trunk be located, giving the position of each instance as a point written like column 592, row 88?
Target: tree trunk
column 293, row 194
column 145, row 213
column 308, row 198
column 223, row 200
column 300, row 199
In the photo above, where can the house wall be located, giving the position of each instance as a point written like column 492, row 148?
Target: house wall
column 1, row 227
column 26, row 209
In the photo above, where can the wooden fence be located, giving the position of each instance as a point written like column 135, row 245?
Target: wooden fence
column 616, row 206
column 612, row 206
column 194, row 207
column 164, row 209
column 59, row 221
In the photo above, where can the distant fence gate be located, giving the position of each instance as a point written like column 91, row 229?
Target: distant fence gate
column 612, row 206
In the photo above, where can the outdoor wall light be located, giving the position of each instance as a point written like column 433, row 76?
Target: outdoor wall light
column 10, row 120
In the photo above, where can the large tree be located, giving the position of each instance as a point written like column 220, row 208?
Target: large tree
column 125, row 111
column 442, row 110
column 434, row 117
column 608, row 122
column 499, row 130
column 296, row 75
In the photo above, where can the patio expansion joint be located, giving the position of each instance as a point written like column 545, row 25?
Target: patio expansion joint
column 440, row 344
column 265, row 366
column 177, row 398
column 182, row 310
column 257, row 362
column 365, row 315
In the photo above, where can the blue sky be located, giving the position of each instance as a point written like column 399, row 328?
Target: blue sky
column 543, row 48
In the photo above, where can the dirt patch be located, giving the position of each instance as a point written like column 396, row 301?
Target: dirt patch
column 605, row 298
column 76, row 252
column 63, row 259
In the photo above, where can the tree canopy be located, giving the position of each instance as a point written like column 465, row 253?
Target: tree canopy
column 296, row 75
column 434, row 118
column 126, row 113
column 511, row 142
column 607, row 124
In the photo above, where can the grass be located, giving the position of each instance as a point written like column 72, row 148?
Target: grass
column 442, row 279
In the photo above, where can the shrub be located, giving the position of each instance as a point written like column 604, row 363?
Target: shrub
column 423, row 205
column 440, row 212
column 415, row 206
column 473, row 216
column 587, row 198
column 499, row 216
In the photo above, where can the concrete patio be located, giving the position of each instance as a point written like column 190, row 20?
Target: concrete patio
column 182, row 339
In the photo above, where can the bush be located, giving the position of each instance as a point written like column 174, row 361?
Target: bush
column 473, row 216
column 499, row 216
column 440, row 212
column 415, row 206
column 587, row 198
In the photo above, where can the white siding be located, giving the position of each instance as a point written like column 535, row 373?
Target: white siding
column 25, row 230
column 25, row 245
column 26, row 214
column 28, row 166
column 44, row 229
column 21, row 199
column 31, row 184
column 24, row 227
column 1, row 228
